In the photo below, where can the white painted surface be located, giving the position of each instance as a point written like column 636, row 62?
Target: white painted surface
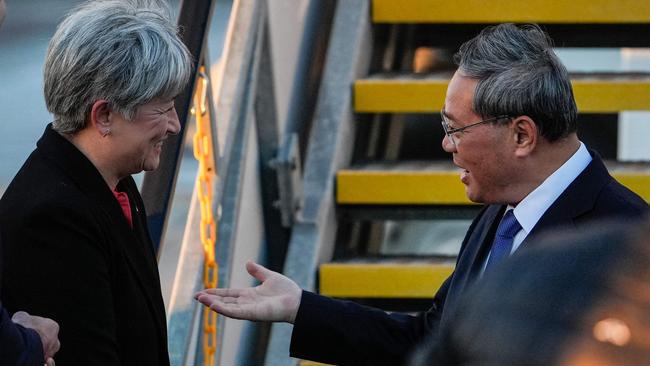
column 634, row 127
column 249, row 243
column 286, row 19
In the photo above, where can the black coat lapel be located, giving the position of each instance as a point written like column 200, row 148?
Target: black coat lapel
column 139, row 250
column 136, row 246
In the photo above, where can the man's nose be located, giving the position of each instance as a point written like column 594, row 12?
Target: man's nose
column 448, row 145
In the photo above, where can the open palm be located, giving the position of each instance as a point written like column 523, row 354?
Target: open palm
column 276, row 299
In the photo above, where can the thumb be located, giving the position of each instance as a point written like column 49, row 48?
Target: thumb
column 258, row 271
column 19, row 315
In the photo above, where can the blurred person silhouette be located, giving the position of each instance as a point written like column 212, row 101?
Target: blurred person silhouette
column 25, row 339
column 72, row 221
column 576, row 298
column 510, row 124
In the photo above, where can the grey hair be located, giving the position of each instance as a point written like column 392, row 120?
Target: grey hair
column 126, row 52
column 519, row 74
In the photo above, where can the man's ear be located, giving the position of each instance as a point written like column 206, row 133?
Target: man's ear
column 100, row 117
column 525, row 135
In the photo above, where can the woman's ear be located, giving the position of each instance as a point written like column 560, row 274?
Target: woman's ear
column 100, row 117
column 525, row 135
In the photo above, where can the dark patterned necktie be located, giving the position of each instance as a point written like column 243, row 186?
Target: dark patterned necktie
column 502, row 246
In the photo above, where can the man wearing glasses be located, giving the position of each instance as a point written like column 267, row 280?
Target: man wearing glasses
column 510, row 124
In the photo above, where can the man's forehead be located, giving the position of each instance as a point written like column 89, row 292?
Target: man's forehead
column 460, row 95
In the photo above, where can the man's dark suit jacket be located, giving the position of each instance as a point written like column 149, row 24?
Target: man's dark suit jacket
column 70, row 255
column 345, row 333
column 18, row 346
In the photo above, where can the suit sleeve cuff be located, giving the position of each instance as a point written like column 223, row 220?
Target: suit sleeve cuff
column 19, row 345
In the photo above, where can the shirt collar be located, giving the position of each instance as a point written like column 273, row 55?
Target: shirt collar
column 532, row 207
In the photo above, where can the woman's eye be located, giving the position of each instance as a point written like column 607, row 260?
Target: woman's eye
column 164, row 111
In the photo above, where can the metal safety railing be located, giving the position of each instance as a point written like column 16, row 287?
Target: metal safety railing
column 253, row 141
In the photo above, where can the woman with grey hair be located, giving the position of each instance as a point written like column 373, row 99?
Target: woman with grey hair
column 72, row 221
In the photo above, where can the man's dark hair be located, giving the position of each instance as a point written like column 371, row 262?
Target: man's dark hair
column 519, row 74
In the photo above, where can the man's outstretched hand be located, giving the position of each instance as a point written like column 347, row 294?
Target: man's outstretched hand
column 276, row 300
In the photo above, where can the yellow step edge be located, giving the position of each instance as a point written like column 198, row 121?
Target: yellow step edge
column 381, row 280
column 400, row 187
column 518, row 11
column 431, row 187
column 639, row 183
column 428, row 95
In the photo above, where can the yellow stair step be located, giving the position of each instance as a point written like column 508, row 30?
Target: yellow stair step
column 517, row 11
column 400, row 187
column 594, row 94
column 383, row 280
column 428, row 186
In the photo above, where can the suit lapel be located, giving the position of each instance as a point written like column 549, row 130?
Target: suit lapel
column 473, row 253
column 578, row 198
column 470, row 260
column 485, row 237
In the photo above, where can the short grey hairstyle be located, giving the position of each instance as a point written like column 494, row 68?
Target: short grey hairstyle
column 519, row 74
column 127, row 52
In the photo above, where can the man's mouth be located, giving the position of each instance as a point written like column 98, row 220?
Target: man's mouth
column 464, row 174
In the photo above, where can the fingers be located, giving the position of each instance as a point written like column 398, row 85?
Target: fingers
column 56, row 347
column 258, row 271
column 209, row 299
column 49, row 362
column 233, row 303
column 228, row 306
column 20, row 316
column 223, row 292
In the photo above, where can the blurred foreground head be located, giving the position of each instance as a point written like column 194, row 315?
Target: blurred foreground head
column 615, row 329
column 576, row 299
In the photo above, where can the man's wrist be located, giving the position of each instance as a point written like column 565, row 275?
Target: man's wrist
column 295, row 306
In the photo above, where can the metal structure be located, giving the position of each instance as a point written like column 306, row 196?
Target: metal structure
column 312, row 239
column 296, row 205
